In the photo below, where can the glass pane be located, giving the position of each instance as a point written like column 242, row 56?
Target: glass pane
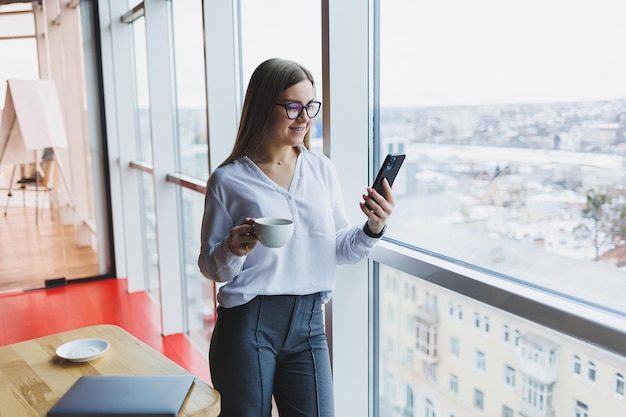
column 143, row 96
column 190, row 88
column 435, row 362
column 265, row 34
column 512, row 119
column 16, row 24
column 150, row 251
column 200, row 292
column 193, row 149
column 55, row 213
column 144, row 150
column 19, row 61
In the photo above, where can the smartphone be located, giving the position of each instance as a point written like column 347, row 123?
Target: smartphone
column 389, row 170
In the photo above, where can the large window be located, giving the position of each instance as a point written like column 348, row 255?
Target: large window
column 512, row 116
column 190, row 88
column 53, row 194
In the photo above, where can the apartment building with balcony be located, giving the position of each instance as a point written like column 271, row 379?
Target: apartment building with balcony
column 456, row 357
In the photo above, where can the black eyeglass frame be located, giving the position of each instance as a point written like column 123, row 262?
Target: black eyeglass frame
column 303, row 108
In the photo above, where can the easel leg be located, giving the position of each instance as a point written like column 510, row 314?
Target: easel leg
column 36, row 192
column 9, row 195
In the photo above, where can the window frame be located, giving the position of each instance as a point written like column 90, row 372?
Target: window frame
column 592, row 372
column 544, row 309
column 479, row 399
column 481, row 361
column 455, row 347
column 577, row 366
column 509, row 376
column 453, row 384
column 619, row 385
column 581, row 409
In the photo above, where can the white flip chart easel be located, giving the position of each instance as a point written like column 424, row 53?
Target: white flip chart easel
column 31, row 122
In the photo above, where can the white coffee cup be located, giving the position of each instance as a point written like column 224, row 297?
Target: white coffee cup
column 273, row 232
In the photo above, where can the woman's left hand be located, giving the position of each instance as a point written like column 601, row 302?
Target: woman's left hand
column 377, row 208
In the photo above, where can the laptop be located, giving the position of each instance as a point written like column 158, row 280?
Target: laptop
column 124, row 395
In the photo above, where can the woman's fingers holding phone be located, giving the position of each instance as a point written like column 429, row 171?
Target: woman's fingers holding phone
column 375, row 206
column 388, row 195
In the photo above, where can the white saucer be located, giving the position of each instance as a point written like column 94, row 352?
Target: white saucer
column 83, row 350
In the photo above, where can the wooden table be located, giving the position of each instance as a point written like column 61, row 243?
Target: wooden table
column 33, row 377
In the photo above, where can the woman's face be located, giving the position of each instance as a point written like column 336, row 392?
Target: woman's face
column 285, row 131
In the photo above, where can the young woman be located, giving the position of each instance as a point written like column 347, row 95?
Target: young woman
column 269, row 338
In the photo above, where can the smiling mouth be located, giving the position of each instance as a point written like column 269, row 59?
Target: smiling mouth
column 297, row 129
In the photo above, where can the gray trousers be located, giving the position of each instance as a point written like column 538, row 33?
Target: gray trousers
column 273, row 345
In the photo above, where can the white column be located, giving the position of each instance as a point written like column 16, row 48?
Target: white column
column 223, row 77
column 346, row 138
column 161, row 86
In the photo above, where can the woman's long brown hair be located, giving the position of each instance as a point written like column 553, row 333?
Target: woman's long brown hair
column 268, row 81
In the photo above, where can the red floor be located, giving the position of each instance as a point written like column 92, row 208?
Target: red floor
column 31, row 314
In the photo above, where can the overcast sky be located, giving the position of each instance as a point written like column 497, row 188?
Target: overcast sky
column 432, row 52
column 472, row 51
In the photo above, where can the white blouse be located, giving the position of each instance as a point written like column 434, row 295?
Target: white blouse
column 322, row 236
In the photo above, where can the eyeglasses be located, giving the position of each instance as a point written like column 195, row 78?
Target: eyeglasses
column 294, row 109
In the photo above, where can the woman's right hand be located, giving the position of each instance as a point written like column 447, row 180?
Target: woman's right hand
column 242, row 239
